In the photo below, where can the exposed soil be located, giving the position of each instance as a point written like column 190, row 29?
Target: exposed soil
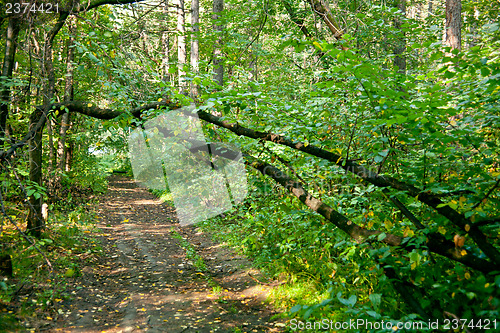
column 145, row 282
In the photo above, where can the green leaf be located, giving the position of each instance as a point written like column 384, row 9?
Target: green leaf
column 376, row 299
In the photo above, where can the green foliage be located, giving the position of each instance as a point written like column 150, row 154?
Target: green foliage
column 434, row 127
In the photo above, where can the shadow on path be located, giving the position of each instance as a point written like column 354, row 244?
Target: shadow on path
column 144, row 281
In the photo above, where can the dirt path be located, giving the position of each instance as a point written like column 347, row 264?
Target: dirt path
column 145, row 282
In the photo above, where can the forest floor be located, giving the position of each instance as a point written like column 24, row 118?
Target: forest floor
column 145, row 280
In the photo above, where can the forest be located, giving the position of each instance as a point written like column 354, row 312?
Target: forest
column 369, row 133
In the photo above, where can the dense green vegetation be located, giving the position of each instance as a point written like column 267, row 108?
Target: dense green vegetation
column 371, row 141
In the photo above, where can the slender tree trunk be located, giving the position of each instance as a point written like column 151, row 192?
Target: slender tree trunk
column 181, row 45
column 165, row 45
column 68, row 96
column 453, row 24
column 400, row 47
column 52, row 151
column 299, row 22
column 69, row 155
column 218, row 7
column 321, row 8
column 195, row 50
column 7, row 68
column 35, row 222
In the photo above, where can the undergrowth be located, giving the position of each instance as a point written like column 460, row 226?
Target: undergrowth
column 43, row 267
column 326, row 274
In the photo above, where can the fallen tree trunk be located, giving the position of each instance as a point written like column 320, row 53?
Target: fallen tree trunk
column 436, row 242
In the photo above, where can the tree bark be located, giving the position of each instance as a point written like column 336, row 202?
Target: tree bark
column 181, row 46
column 454, row 24
column 195, row 50
column 7, row 68
column 218, row 7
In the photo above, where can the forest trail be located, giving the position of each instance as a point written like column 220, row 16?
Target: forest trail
column 144, row 281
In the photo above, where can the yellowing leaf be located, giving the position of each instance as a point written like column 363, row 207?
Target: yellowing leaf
column 160, row 99
column 318, row 46
column 467, row 227
column 463, row 252
column 388, row 224
column 408, row 232
column 89, row 105
column 125, row 221
column 467, row 275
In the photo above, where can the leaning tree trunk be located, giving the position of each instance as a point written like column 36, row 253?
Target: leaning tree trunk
column 322, row 9
column 453, row 24
column 7, row 68
column 195, row 51
column 218, row 7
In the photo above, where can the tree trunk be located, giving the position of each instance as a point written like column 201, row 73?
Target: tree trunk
column 400, row 46
column 299, row 22
column 321, row 8
column 165, row 45
column 68, row 96
column 218, row 7
column 52, row 151
column 7, row 68
column 69, row 156
column 35, row 222
column 181, row 46
column 453, row 24
column 195, row 51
